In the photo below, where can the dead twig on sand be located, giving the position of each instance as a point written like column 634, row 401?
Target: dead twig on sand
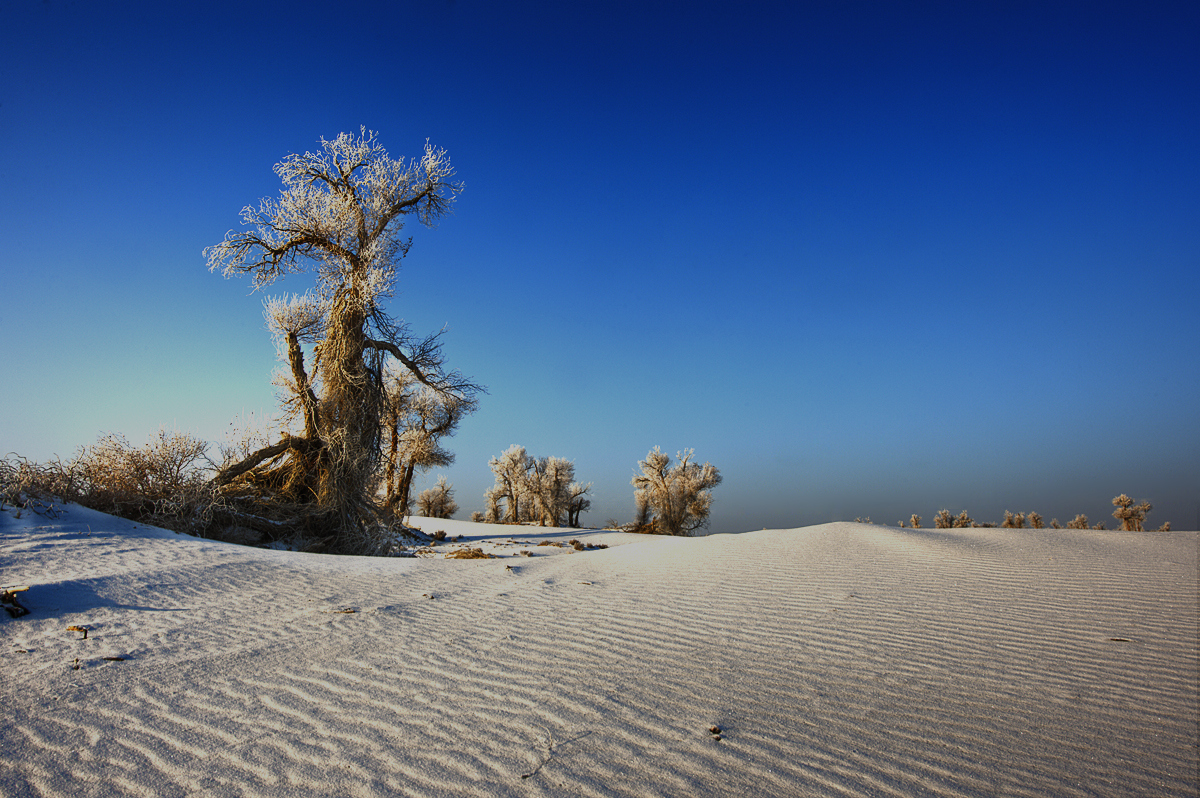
column 550, row 746
column 8, row 599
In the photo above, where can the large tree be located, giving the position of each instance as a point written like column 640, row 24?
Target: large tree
column 339, row 217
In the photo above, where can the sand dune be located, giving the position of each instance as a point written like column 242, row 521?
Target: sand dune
column 841, row 659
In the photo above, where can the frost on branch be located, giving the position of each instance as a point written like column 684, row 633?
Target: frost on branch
column 339, row 216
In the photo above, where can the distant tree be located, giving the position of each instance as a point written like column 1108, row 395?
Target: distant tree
column 340, row 215
column 438, row 501
column 673, row 500
column 577, row 501
column 511, row 470
column 1131, row 515
column 538, row 489
column 416, row 419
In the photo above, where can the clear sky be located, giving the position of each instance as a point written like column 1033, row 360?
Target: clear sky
column 866, row 258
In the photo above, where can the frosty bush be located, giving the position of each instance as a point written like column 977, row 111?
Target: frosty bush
column 673, row 500
column 1078, row 522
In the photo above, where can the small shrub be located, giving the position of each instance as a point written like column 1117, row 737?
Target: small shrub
column 943, row 520
column 915, row 520
column 1035, row 521
column 962, row 520
column 1166, row 527
column 1099, row 526
column 1079, row 522
column 1012, row 521
column 1054, row 524
column 478, row 517
column 1129, row 514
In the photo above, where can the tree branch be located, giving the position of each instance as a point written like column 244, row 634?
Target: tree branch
column 289, row 442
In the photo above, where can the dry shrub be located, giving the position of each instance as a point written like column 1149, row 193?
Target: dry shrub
column 943, row 520
column 1132, row 516
column 1078, row 522
column 25, row 484
column 1166, row 527
column 1012, row 521
column 1035, row 521
column 162, row 481
column 962, row 520
column 915, row 521
column 1054, row 524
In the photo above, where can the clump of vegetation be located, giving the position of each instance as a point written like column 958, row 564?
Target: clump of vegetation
column 1131, row 515
column 469, row 554
column 162, row 482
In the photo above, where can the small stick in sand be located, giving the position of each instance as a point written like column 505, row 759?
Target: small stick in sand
column 83, row 629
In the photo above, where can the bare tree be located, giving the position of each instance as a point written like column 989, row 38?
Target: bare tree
column 577, row 501
column 339, row 216
column 679, row 496
column 438, row 501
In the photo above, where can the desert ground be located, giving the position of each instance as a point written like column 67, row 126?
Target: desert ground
column 840, row 659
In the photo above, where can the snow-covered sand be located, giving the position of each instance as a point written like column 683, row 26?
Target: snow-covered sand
column 841, row 659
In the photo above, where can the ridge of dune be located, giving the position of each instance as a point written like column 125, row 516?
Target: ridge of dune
column 840, row 659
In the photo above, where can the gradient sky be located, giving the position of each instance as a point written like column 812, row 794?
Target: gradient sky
column 869, row 259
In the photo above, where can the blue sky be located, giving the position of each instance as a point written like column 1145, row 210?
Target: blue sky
column 866, row 258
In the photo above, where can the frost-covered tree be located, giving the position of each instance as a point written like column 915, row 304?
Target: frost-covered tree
column 539, row 489
column 416, row 419
column 511, row 469
column 673, row 500
column 438, row 501
column 339, row 217
column 555, row 495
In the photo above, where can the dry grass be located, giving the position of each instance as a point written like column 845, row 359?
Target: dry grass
column 468, row 554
